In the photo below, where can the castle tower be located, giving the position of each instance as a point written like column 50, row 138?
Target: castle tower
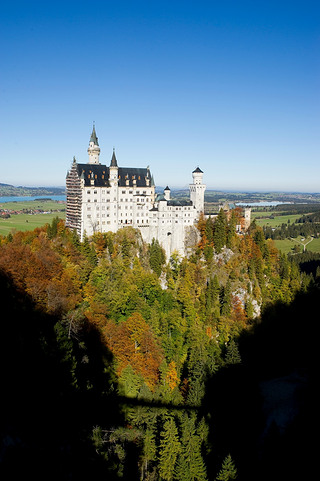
column 247, row 218
column 167, row 193
column 94, row 149
column 197, row 190
column 113, row 170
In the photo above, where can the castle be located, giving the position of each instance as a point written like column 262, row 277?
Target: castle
column 104, row 198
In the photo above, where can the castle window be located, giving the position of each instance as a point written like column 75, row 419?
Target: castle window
column 89, row 200
column 95, row 200
column 95, row 192
column 88, row 191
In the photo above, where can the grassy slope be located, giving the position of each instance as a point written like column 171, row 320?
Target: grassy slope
column 25, row 222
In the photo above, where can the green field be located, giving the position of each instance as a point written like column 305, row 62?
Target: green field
column 33, row 204
column 25, row 222
column 287, row 245
column 277, row 221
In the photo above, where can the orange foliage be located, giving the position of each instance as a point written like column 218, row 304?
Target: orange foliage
column 238, row 313
column 36, row 269
column 172, row 377
column 201, row 225
column 132, row 342
column 249, row 248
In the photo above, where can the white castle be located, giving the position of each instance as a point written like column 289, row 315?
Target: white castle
column 101, row 199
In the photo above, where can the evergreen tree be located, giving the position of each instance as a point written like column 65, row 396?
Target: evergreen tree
column 228, row 470
column 52, row 228
column 149, row 451
column 169, row 449
column 190, row 464
column 88, row 251
column 233, row 355
column 231, row 229
column 220, row 231
column 157, row 256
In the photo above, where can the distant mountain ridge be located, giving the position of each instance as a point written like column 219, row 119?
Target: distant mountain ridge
column 11, row 190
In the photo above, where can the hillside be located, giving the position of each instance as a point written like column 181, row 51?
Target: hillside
column 10, row 190
column 131, row 366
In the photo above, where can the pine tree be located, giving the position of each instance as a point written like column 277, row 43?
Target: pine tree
column 233, row 355
column 169, row 450
column 228, row 470
column 156, row 257
column 220, row 231
column 149, row 451
column 190, row 464
column 231, row 229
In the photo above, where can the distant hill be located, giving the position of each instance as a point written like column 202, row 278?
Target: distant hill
column 11, row 190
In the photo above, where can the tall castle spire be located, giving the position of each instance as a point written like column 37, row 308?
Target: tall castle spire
column 94, row 149
column 113, row 162
column 94, row 137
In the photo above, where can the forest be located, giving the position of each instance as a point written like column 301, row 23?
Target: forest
column 118, row 363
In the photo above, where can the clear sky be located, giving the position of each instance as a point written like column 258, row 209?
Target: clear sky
column 229, row 86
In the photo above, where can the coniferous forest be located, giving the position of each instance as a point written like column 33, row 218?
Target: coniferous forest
column 120, row 364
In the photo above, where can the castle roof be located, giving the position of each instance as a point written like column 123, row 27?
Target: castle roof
column 126, row 175
column 198, row 171
column 113, row 162
column 94, row 137
column 177, row 203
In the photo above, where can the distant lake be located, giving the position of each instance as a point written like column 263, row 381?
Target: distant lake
column 25, row 198
column 262, row 204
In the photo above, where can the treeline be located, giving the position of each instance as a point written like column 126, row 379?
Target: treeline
column 165, row 326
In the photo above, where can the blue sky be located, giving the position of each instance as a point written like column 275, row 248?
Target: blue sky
column 229, row 86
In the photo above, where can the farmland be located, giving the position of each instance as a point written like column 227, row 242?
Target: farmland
column 281, row 220
column 28, row 215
